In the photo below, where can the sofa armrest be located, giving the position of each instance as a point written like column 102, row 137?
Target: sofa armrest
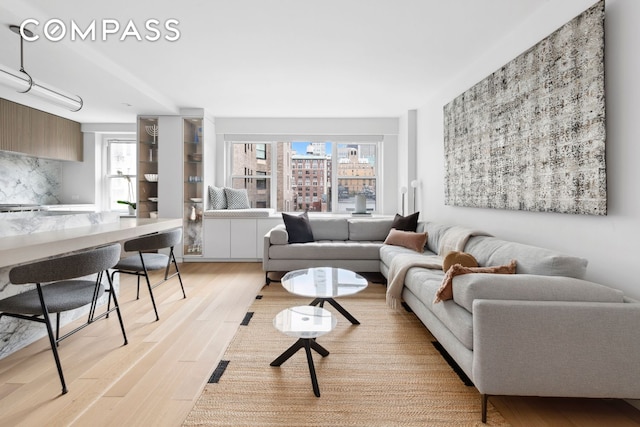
column 547, row 348
column 276, row 236
column 529, row 287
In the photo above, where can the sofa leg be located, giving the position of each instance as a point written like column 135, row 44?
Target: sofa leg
column 266, row 278
column 485, row 398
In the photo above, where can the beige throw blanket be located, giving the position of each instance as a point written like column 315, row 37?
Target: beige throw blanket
column 454, row 239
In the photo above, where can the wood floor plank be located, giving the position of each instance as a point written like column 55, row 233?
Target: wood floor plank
column 157, row 377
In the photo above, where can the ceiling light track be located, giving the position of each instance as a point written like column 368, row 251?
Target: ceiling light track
column 22, row 81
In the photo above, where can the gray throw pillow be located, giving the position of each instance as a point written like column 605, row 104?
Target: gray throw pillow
column 217, row 198
column 237, row 198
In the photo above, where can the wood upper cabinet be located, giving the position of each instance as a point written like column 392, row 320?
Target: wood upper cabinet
column 36, row 133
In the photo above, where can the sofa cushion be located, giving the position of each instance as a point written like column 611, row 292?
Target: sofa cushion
column 531, row 259
column 327, row 249
column 424, row 284
column 330, row 228
column 298, row 228
column 435, row 232
column 406, row 223
column 408, row 239
column 446, row 289
column 369, row 229
column 529, row 287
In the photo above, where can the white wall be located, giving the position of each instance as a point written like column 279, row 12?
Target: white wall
column 82, row 181
column 610, row 243
column 387, row 127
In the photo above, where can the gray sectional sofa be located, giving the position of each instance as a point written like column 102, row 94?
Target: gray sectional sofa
column 351, row 243
column 544, row 331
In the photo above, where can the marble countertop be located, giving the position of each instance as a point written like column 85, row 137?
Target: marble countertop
column 30, row 247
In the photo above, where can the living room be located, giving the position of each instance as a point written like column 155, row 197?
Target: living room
column 412, row 147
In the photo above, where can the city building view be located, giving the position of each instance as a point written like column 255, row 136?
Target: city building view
column 306, row 176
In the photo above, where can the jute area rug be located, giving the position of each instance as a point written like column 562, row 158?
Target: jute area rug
column 383, row 372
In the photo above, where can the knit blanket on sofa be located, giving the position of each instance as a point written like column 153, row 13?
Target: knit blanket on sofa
column 453, row 239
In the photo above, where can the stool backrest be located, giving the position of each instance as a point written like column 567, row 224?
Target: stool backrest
column 166, row 239
column 67, row 267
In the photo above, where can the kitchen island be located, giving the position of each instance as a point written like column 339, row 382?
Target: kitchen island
column 27, row 237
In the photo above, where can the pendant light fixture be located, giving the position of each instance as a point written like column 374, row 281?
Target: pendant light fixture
column 22, row 81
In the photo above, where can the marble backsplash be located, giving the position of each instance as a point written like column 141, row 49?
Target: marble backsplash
column 29, row 180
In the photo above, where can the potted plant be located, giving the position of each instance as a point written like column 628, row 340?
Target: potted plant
column 131, row 205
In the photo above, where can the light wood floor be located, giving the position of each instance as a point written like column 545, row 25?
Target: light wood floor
column 156, row 378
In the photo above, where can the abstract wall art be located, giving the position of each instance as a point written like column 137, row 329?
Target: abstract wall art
column 531, row 136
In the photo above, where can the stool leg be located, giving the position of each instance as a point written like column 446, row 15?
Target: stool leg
column 52, row 340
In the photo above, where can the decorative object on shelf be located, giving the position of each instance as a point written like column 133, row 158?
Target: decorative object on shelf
column 153, row 199
column 194, row 157
column 192, row 217
column 24, row 83
column 151, row 177
column 196, row 199
column 414, row 184
column 403, row 190
column 152, row 130
column 361, row 204
column 131, row 205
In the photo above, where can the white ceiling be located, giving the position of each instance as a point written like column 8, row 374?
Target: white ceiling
column 258, row 58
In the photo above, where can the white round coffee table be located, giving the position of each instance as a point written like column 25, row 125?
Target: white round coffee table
column 325, row 284
column 305, row 323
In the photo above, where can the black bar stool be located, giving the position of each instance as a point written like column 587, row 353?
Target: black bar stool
column 63, row 294
column 140, row 264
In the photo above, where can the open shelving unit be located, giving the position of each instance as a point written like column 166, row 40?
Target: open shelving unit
column 193, row 192
column 148, row 132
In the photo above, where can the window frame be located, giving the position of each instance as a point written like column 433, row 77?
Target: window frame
column 109, row 177
column 297, row 166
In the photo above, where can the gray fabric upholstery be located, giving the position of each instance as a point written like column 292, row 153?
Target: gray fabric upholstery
column 490, row 251
column 59, row 297
column 333, row 245
column 151, row 261
column 469, row 287
column 326, row 250
column 330, row 228
column 279, row 235
column 541, row 332
column 369, row 229
column 66, row 267
column 555, row 348
column 424, row 284
column 152, row 242
column 435, row 231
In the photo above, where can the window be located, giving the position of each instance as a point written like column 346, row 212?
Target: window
column 121, row 173
column 357, row 174
column 274, row 174
column 248, row 162
column 261, row 151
